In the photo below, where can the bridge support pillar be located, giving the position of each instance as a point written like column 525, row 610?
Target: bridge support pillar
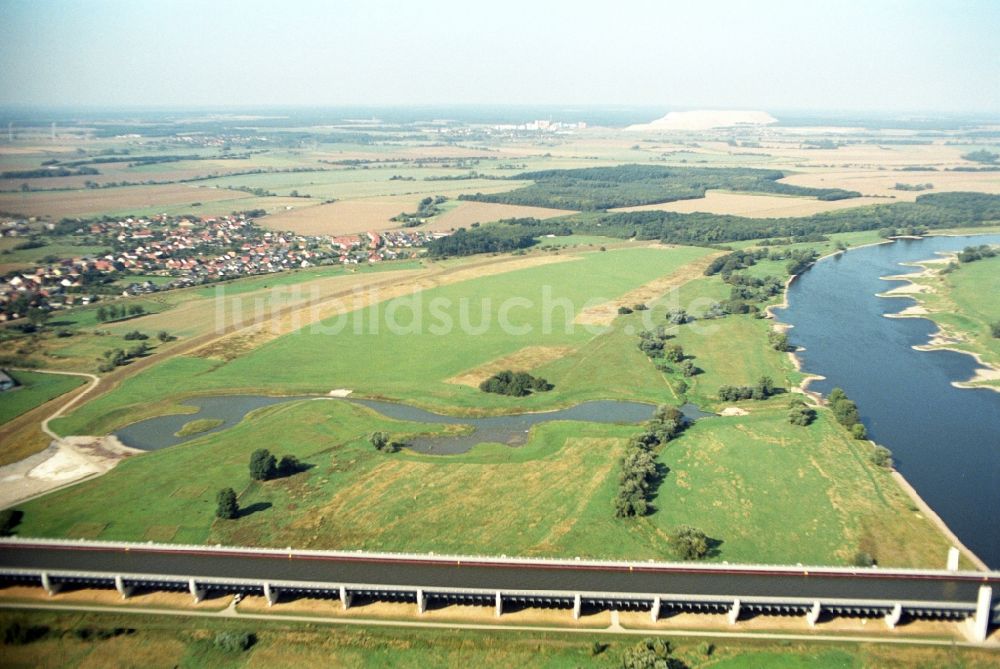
column 124, row 590
column 196, row 593
column 813, row 616
column 953, row 555
column 345, row 598
column 654, row 610
column 893, row 617
column 270, row 594
column 498, row 607
column 979, row 625
column 577, row 607
column 421, row 601
column 50, row 587
column 734, row 613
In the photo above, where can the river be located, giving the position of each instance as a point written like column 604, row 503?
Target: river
column 945, row 440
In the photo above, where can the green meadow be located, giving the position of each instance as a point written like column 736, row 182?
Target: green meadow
column 73, row 640
column 964, row 304
column 408, row 349
column 764, row 490
column 35, row 389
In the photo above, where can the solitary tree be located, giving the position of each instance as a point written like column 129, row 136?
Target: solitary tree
column 263, row 465
column 380, row 440
column 689, row 543
column 289, row 465
column 226, row 505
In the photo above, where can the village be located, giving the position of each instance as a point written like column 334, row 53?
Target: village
column 147, row 255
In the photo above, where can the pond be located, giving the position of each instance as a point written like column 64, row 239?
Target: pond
column 160, row 432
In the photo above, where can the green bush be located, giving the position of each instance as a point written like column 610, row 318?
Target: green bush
column 234, row 642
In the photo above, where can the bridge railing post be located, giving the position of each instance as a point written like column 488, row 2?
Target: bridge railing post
column 953, row 556
column 124, row 590
column 813, row 616
column 196, row 593
column 734, row 613
column 980, row 623
column 345, row 598
column 50, row 587
column 893, row 617
column 270, row 594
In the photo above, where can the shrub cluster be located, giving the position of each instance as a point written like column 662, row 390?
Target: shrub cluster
column 800, row 413
column 974, row 253
column 516, row 384
column 264, row 466
column 763, row 389
column 846, row 413
column 639, row 470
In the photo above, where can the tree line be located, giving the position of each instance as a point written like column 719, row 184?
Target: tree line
column 602, row 188
column 928, row 211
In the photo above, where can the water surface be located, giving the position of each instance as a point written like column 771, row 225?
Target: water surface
column 512, row 430
column 945, row 440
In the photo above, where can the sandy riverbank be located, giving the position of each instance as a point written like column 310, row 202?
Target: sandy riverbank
column 940, row 341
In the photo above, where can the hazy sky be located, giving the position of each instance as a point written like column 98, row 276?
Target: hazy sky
column 917, row 55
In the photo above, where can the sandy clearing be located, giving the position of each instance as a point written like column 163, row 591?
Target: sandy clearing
column 65, row 461
column 527, row 358
column 68, row 203
column 755, row 206
column 605, row 313
column 734, row 411
column 467, row 213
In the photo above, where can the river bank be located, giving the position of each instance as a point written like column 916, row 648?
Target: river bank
column 908, row 398
column 947, row 335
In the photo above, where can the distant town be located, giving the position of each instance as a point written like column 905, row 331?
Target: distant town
column 150, row 254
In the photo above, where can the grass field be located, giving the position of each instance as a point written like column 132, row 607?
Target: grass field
column 964, row 303
column 400, row 356
column 35, row 389
column 766, row 491
column 171, row 641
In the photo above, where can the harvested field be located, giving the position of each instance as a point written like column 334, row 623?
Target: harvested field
column 343, row 217
column 85, row 202
column 879, row 182
column 527, row 358
column 467, row 213
column 755, row 206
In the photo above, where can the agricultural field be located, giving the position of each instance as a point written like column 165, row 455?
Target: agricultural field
column 755, row 206
column 129, row 199
column 465, row 214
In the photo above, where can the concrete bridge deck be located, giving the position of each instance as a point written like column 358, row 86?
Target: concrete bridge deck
column 569, row 583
